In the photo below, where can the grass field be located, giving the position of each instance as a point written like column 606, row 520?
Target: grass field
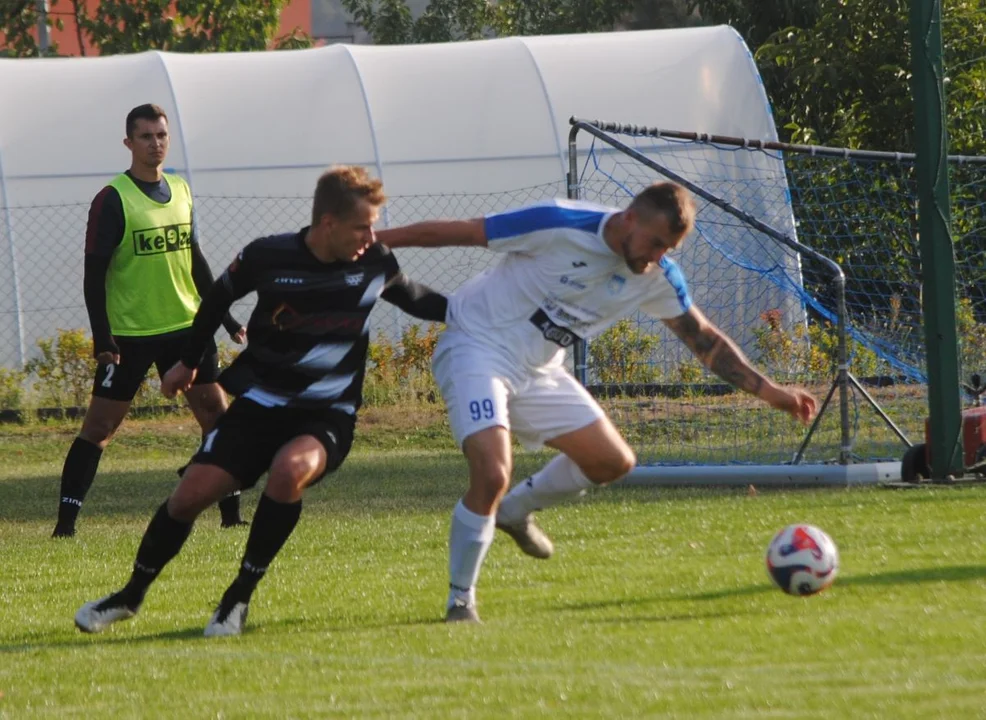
column 655, row 605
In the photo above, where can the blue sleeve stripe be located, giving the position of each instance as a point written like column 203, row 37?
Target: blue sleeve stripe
column 541, row 217
column 674, row 276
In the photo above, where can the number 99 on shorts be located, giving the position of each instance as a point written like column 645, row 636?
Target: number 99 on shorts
column 481, row 409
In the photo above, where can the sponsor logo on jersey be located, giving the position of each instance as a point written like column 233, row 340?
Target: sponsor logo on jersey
column 286, row 317
column 553, row 309
column 616, row 284
column 157, row 240
column 354, row 279
column 572, row 282
column 561, row 336
column 288, row 281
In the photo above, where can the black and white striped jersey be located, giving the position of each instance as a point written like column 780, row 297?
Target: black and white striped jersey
column 308, row 335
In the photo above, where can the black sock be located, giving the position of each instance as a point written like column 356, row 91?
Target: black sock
column 163, row 540
column 273, row 523
column 229, row 510
column 77, row 476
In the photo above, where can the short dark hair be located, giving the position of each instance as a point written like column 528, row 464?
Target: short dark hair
column 670, row 199
column 340, row 188
column 147, row 111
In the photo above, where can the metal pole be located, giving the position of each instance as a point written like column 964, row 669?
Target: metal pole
column 755, row 144
column 42, row 8
column 845, row 437
column 579, row 349
column 931, row 143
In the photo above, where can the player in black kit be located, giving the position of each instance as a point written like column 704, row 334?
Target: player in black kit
column 298, row 385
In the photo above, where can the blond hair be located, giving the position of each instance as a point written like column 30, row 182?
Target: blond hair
column 340, row 188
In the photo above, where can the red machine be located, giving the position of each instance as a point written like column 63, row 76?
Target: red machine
column 916, row 463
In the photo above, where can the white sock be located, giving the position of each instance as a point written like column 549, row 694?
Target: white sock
column 559, row 480
column 469, row 540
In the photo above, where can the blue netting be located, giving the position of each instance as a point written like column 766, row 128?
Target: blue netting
column 780, row 305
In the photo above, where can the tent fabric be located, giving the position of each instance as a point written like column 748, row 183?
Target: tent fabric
column 455, row 129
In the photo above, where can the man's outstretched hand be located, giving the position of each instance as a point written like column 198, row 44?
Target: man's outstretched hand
column 798, row 403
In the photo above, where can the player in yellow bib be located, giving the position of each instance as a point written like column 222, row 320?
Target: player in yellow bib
column 144, row 277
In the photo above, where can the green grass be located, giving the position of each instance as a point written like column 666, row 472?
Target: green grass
column 656, row 603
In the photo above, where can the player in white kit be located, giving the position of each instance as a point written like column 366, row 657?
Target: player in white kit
column 570, row 270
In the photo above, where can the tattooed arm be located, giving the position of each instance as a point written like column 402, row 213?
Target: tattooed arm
column 716, row 351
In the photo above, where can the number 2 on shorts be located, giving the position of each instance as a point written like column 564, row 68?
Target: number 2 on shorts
column 108, row 380
column 480, row 409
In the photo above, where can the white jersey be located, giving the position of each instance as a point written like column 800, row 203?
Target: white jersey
column 558, row 283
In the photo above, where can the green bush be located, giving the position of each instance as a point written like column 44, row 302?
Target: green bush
column 690, row 372
column 808, row 352
column 972, row 339
column 624, row 354
column 401, row 373
column 227, row 354
column 11, row 388
column 65, row 369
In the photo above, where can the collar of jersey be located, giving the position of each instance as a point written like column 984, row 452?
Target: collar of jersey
column 602, row 227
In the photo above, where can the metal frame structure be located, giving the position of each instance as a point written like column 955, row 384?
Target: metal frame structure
column 842, row 473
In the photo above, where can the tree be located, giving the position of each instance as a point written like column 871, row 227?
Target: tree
column 18, row 19
column 660, row 14
column 448, row 20
column 551, row 17
column 389, row 22
column 124, row 26
column 757, row 20
column 845, row 80
column 127, row 26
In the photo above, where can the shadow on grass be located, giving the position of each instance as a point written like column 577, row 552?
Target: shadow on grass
column 391, row 481
column 668, row 618
column 955, row 573
column 384, row 482
column 33, row 643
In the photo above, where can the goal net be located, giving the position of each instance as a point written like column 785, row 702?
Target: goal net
column 774, row 232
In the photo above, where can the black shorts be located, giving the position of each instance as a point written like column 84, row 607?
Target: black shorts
column 248, row 436
column 137, row 354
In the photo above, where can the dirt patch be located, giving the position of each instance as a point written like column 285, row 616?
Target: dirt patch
column 400, row 419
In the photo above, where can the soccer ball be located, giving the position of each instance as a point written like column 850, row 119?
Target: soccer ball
column 802, row 560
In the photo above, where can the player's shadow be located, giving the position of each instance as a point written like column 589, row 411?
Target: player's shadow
column 385, row 482
column 954, row 573
column 33, row 643
column 657, row 618
column 115, row 494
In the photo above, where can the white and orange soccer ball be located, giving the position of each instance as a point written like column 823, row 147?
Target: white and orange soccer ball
column 802, row 560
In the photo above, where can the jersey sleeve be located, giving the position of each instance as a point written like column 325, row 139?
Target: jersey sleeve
column 670, row 297
column 532, row 229
column 104, row 228
column 193, row 236
column 391, row 267
column 241, row 277
column 236, row 281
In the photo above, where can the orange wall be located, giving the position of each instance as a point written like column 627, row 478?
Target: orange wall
column 297, row 14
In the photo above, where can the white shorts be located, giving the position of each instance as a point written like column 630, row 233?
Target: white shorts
column 482, row 389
